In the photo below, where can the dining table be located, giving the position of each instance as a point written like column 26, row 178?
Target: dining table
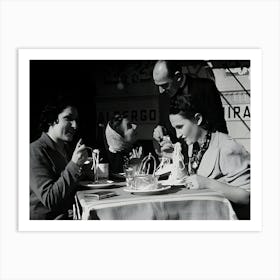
column 173, row 202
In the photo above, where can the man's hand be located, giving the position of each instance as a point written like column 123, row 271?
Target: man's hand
column 166, row 147
column 80, row 154
column 158, row 133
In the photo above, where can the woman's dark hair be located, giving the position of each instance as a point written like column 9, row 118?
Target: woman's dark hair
column 208, row 104
column 115, row 123
column 187, row 106
column 50, row 113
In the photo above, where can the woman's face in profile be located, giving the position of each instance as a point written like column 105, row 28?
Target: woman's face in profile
column 185, row 128
column 129, row 130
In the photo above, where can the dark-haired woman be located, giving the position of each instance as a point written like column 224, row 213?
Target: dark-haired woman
column 54, row 172
column 215, row 160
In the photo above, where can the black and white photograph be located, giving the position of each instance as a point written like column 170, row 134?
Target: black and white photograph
column 140, row 140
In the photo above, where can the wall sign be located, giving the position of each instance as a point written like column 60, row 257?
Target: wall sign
column 139, row 116
column 140, row 110
column 231, row 114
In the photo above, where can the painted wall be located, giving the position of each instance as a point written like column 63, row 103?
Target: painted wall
column 142, row 110
column 129, row 89
column 240, row 101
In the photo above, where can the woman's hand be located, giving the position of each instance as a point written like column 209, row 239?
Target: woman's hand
column 196, row 182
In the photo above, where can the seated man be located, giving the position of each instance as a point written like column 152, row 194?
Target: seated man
column 54, row 172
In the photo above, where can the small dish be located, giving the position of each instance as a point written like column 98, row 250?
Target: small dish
column 97, row 185
column 160, row 189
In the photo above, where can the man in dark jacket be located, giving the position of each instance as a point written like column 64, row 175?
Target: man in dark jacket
column 172, row 83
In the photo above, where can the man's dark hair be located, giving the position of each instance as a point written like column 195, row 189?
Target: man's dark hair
column 173, row 66
column 177, row 65
column 51, row 111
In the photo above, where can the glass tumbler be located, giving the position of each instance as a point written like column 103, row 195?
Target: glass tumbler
column 129, row 173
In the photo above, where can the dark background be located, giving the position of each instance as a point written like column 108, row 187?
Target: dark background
column 78, row 80
column 81, row 80
column 75, row 79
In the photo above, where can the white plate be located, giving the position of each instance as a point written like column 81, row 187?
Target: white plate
column 147, row 192
column 171, row 183
column 97, row 185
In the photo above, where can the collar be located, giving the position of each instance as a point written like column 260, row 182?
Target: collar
column 46, row 139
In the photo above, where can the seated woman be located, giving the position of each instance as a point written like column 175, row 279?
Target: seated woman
column 121, row 136
column 54, row 173
column 215, row 160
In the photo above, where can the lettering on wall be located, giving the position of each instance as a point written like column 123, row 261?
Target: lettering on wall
column 139, row 116
column 138, row 110
column 231, row 114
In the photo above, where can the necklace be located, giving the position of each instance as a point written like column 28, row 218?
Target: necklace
column 197, row 154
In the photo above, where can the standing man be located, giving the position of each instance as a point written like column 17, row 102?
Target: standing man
column 172, row 83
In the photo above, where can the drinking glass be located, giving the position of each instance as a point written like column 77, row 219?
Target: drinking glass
column 129, row 173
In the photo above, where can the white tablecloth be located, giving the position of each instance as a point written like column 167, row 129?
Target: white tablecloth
column 178, row 203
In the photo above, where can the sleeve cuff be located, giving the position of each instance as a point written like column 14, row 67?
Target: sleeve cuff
column 75, row 169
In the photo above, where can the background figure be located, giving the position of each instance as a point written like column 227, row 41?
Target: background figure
column 121, row 137
column 54, row 172
column 172, row 82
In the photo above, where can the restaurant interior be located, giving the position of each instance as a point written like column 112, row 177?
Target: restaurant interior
column 101, row 88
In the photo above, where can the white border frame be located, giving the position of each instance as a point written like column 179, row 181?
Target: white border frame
column 24, row 57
